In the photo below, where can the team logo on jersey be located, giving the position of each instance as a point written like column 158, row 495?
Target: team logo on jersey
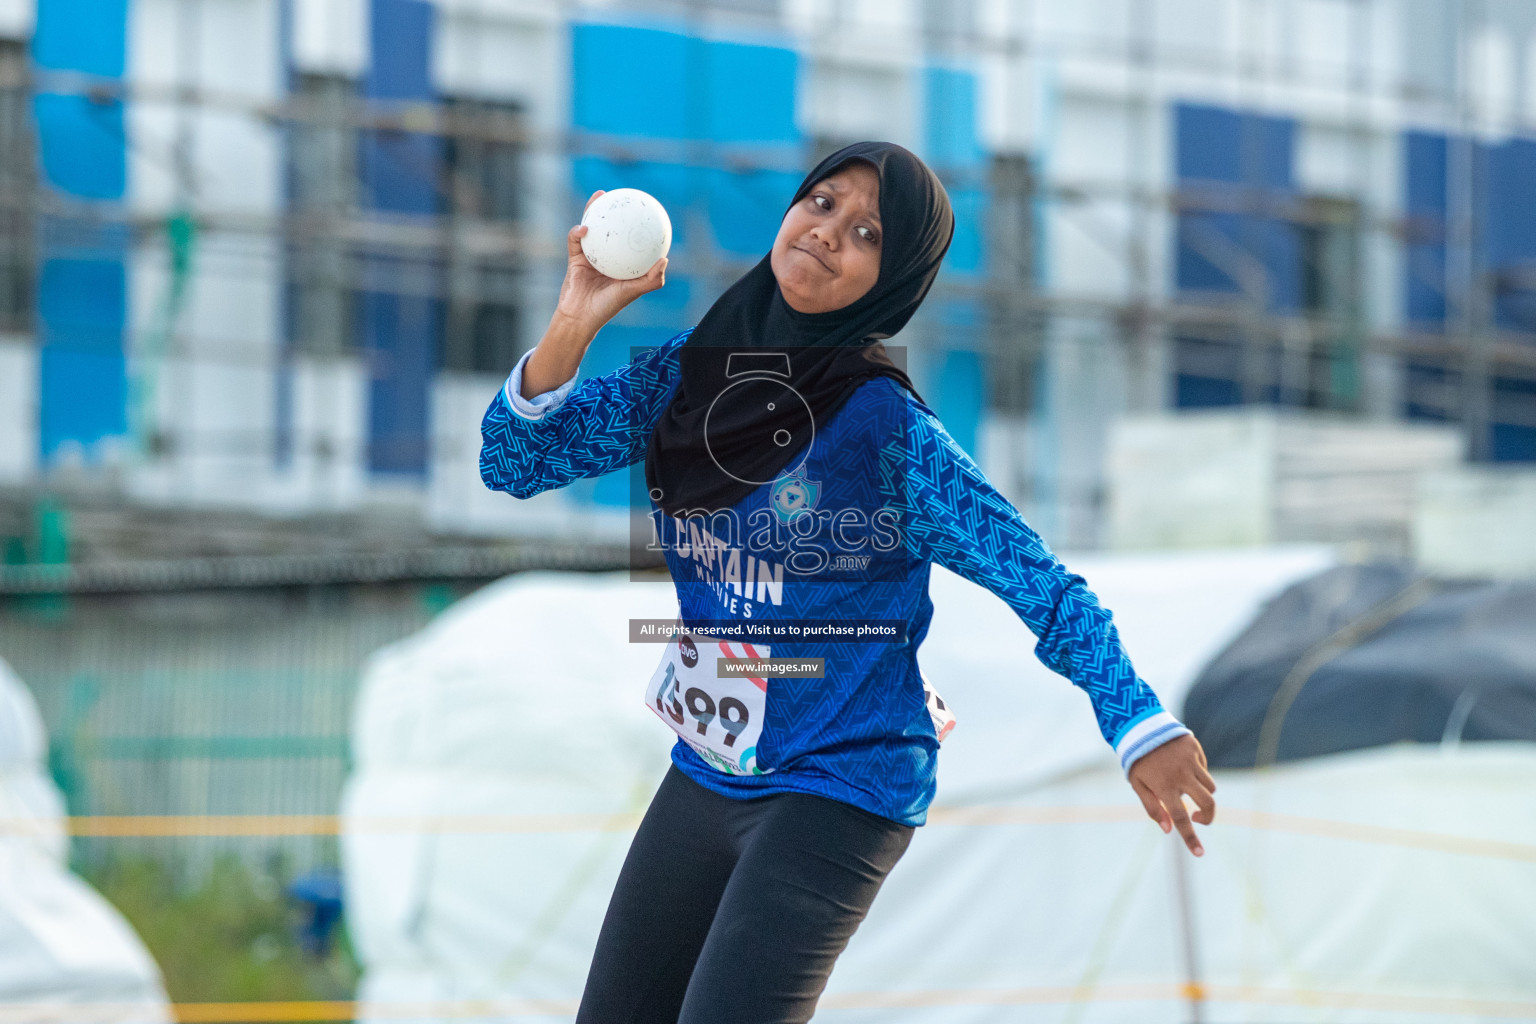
column 689, row 653
column 793, row 493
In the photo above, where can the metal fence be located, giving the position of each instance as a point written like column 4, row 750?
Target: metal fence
column 198, row 704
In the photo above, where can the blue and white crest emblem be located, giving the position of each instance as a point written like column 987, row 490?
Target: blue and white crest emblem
column 793, row 493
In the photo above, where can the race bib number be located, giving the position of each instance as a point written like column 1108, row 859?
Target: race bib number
column 721, row 719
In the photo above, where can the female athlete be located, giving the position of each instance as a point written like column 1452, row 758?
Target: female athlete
column 798, row 482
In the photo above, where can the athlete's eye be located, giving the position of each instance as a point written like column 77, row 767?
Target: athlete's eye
column 822, row 201
column 867, row 234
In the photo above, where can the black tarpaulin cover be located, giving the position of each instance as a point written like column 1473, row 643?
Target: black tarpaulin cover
column 1361, row 656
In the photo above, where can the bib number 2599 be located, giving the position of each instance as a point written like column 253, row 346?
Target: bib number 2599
column 721, row 719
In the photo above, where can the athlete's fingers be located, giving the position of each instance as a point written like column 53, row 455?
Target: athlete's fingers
column 573, row 241
column 1152, row 805
column 649, row 281
column 656, row 277
column 591, row 199
column 1174, row 802
column 1203, row 776
column 1206, row 802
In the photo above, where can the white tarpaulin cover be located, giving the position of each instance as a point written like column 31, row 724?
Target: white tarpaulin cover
column 65, row 953
column 1386, row 885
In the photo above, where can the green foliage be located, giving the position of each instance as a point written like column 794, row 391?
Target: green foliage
column 231, row 937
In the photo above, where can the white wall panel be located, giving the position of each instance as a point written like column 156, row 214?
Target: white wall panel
column 1329, row 159
column 16, row 18
column 1006, row 120
column 1477, row 521
column 330, row 36
column 1489, row 74
column 214, row 382
column 860, row 101
column 1326, row 37
column 1200, row 30
column 1092, row 140
column 230, row 52
column 326, row 470
column 239, row 164
column 18, row 410
column 475, row 54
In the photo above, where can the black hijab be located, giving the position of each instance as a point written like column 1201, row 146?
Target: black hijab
column 725, row 434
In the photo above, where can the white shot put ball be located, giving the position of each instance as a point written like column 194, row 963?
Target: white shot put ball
column 627, row 232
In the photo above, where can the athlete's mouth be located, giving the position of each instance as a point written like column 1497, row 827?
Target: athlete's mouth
column 818, row 259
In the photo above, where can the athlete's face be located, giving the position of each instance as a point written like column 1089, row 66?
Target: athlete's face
column 827, row 254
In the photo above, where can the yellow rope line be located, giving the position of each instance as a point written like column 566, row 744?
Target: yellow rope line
column 1381, row 834
column 1252, row 994
column 1243, row 818
column 333, row 824
column 228, row 825
column 279, row 1012
column 220, row 1013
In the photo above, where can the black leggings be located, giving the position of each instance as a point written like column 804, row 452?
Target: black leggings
column 734, row 911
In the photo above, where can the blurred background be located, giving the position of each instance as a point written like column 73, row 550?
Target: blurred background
column 1243, row 276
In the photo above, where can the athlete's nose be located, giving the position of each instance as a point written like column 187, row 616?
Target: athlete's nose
column 825, row 236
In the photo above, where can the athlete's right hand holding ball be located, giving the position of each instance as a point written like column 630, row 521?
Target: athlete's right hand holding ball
column 588, row 300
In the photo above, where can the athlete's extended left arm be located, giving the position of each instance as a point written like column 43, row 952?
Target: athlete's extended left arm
column 954, row 516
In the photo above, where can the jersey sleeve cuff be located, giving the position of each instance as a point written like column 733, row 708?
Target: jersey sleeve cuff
column 1146, row 735
column 538, row 406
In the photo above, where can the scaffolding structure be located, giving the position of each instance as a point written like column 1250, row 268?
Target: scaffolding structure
column 487, row 255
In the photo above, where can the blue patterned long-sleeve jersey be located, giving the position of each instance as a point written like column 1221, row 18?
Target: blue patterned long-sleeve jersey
column 847, row 533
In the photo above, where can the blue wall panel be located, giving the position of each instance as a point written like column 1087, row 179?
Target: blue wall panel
column 1225, row 157
column 1212, row 246
column 967, row 252
column 82, row 35
column 1236, row 147
column 747, row 207
column 659, row 84
column 1503, row 177
column 80, row 145
column 1216, row 150
column 1424, row 198
column 751, row 93
column 1505, row 227
column 960, row 395
column 399, row 173
column 85, row 397
column 1195, row 391
column 950, row 130
column 400, row 34
column 82, row 378
column 402, row 333
column 400, row 169
column 82, row 300
column 1510, row 231
column 82, row 297
column 952, row 146
column 1513, row 442
column 631, row 81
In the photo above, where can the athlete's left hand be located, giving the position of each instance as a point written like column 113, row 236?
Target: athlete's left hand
column 1164, row 776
